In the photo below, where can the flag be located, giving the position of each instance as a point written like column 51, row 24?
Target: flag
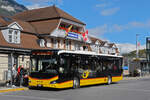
column 68, row 30
column 138, row 44
column 85, row 35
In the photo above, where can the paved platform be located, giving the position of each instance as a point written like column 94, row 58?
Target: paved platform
column 2, row 83
column 6, row 89
column 136, row 78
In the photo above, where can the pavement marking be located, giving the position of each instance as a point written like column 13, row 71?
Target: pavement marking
column 13, row 89
column 31, row 97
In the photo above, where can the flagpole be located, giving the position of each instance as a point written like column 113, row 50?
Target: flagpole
column 137, row 51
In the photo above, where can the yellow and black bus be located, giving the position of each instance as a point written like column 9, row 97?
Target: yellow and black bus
column 65, row 69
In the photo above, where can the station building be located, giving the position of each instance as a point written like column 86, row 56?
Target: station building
column 44, row 28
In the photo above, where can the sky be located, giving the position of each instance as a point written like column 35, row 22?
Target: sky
column 116, row 21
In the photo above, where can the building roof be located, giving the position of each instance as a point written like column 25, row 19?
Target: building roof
column 51, row 12
column 28, row 41
column 93, row 39
column 45, row 26
column 27, row 27
column 5, row 20
column 111, row 45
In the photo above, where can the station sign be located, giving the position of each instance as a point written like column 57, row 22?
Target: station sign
column 73, row 35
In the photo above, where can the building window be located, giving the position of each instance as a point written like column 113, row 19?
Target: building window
column 48, row 44
column 67, row 45
column 61, row 44
column 55, row 43
column 10, row 35
column 42, row 43
column 15, row 36
column 77, row 46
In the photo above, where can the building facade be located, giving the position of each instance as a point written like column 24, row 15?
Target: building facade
column 44, row 28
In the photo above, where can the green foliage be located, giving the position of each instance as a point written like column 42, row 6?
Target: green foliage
column 142, row 54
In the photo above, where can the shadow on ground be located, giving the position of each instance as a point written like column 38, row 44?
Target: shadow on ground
column 54, row 89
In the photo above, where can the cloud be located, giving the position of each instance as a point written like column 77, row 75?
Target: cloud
column 107, row 7
column 129, row 25
column 42, row 3
column 128, row 47
column 103, row 5
column 35, row 6
column 98, row 31
column 110, row 11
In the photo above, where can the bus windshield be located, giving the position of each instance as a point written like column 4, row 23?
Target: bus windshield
column 47, row 64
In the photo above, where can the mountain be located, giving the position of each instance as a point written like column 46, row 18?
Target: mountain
column 10, row 7
column 142, row 54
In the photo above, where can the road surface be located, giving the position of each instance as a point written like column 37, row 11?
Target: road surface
column 124, row 90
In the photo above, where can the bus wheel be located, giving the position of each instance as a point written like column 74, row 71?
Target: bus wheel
column 109, row 80
column 76, row 83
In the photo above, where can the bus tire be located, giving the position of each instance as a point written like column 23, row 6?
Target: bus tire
column 109, row 80
column 76, row 83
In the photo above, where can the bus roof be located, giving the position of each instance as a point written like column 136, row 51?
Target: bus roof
column 86, row 53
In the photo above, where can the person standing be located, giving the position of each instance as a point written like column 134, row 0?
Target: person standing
column 20, row 74
column 14, row 74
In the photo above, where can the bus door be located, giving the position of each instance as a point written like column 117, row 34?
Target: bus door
column 64, row 67
column 117, row 67
column 111, row 66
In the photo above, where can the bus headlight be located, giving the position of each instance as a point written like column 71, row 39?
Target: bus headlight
column 53, row 82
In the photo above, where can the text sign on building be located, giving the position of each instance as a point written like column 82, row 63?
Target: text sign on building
column 73, row 35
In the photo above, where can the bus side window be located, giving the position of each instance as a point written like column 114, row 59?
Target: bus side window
column 110, row 66
column 74, row 64
column 104, row 66
column 99, row 67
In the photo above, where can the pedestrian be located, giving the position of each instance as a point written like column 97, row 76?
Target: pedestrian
column 22, row 71
column 20, row 74
column 14, row 75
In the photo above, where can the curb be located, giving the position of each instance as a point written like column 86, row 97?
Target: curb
column 2, row 83
column 13, row 90
column 135, row 78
